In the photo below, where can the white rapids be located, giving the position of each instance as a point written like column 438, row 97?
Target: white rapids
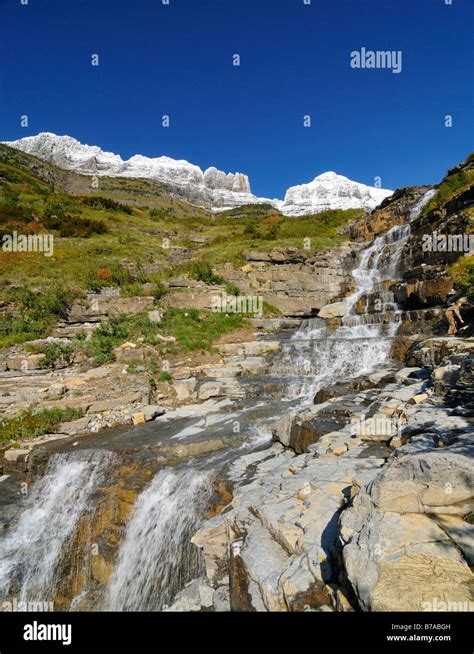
column 31, row 549
column 157, row 557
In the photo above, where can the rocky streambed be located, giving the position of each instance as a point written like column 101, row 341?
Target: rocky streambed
column 374, row 515
column 319, row 464
column 360, row 501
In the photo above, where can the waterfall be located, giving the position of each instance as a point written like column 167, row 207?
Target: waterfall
column 157, row 557
column 319, row 357
column 422, row 202
column 31, row 549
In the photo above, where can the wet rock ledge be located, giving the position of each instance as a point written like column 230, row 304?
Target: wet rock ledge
column 369, row 511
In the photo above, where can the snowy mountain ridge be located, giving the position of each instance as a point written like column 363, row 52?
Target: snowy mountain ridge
column 212, row 188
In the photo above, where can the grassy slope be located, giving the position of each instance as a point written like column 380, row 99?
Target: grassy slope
column 127, row 242
column 139, row 237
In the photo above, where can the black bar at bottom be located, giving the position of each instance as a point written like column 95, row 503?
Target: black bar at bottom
column 384, row 632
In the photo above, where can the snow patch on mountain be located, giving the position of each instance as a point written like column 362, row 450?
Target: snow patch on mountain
column 212, row 188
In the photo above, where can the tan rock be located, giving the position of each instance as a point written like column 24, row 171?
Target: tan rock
column 417, row 399
column 138, row 418
column 154, row 316
column 379, row 427
column 335, row 310
column 15, row 455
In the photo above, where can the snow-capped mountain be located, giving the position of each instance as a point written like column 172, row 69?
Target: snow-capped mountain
column 212, row 189
column 331, row 191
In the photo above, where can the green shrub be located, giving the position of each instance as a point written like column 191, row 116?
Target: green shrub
column 159, row 291
column 463, row 272
column 12, row 216
column 105, row 338
column 448, row 189
column 161, row 213
column 140, row 274
column 231, row 289
column 57, row 355
column 9, row 196
column 153, row 366
column 132, row 290
column 93, row 283
column 34, row 313
column 202, row 271
column 105, row 203
column 165, row 376
column 69, row 226
column 267, row 229
column 198, row 330
column 121, row 275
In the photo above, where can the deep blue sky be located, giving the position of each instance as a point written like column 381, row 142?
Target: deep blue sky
column 177, row 60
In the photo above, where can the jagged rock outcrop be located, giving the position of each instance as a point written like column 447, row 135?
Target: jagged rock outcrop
column 393, row 532
column 211, row 188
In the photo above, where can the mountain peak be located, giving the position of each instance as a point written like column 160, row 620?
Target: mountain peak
column 331, row 191
column 328, row 176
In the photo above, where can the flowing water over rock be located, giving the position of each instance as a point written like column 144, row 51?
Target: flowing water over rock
column 157, row 557
column 31, row 549
column 318, row 356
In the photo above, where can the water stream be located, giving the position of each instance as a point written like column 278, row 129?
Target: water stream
column 318, row 356
column 31, row 549
column 156, row 557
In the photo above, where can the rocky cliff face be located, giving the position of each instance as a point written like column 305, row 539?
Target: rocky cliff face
column 296, row 282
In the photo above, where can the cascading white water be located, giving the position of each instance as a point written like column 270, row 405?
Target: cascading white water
column 319, row 357
column 322, row 357
column 31, row 549
column 422, row 202
column 157, row 557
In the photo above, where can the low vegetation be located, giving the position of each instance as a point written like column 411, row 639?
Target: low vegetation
column 198, row 330
column 449, row 188
column 192, row 329
column 35, row 423
column 99, row 238
column 463, row 272
column 203, row 272
column 31, row 314
column 126, row 234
